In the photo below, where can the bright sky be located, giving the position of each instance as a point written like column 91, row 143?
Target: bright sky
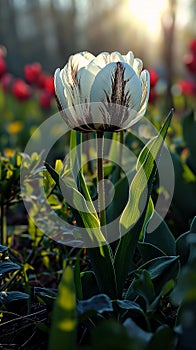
column 149, row 12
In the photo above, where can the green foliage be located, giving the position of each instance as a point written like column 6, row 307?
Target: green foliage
column 136, row 293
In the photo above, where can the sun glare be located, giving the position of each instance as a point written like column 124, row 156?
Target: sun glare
column 148, row 13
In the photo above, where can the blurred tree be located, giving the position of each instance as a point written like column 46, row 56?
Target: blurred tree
column 49, row 31
column 168, row 31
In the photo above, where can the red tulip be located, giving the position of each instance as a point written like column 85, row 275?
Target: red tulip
column 2, row 66
column 153, row 77
column 187, row 87
column 21, row 90
column 193, row 45
column 32, row 72
column 41, row 80
column 6, row 82
column 45, row 100
column 152, row 96
column 190, row 61
column 49, row 85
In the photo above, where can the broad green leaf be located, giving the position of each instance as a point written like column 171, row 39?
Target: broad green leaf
column 89, row 284
column 45, row 295
column 101, row 257
column 8, row 266
column 132, row 220
column 164, row 338
column 116, row 207
column 149, row 251
column 162, row 270
column 186, row 287
column 13, row 296
column 145, row 169
column 63, row 329
column 128, row 305
column 149, row 213
column 99, row 303
column 162, row 238
column 129, row 309
column 143, row 286
column 158, row 265
column 76, row 200
column 3, row 249
column 183, row 247
column 102, row 262
column 136, row 332
column 111, row 335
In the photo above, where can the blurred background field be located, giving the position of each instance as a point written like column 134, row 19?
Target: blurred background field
column 36, row 37
column 49, row 31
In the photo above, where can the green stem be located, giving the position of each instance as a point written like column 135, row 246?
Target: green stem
column 3, row 224
column 100, row 178
column 79, row 158
column 121, row 140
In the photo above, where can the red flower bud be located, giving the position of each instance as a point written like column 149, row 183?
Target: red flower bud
column 152, row 96
column 21, row 90
column 187, row 87
column 153, row 77
column 49, row 85
column 190, row 61
column 6, row 82
column 2, row 66
column 41, row 80
column 32, row 72
column 193, row 45
column 45, row 100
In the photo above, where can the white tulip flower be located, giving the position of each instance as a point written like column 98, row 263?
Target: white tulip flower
column 108, row 92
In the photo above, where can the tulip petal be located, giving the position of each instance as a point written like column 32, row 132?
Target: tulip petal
column 129, row 58
column 76, row 62
column 145, row 79
column 102, row 59
column 133, row 119
column 85, row 78
column 117, row 84
column 116, row 57
column 137, row 66
column 59, row 88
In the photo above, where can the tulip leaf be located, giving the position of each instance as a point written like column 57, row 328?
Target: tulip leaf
column 132, row 219
column 76, row 200
column 149, row 251
column 63, row 329
column 100, row 255
column 99, row 303
column 162, row 238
